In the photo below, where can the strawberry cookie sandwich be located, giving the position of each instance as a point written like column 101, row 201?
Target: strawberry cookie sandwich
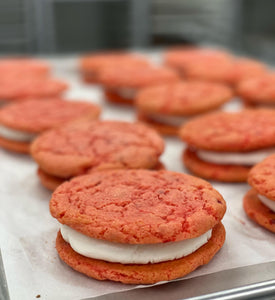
column 21, row 122
column 122, row 84
column 259, row 202
column 224, row 146
column 258, row 91
column 166, row 107
column 180, row 58
column 137, row 226
column 91, row 64
column 84, row 147
column 229, row 72
column 22, row 67
column 29, row 87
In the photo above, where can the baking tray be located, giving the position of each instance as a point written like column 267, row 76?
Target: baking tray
column 255, row 280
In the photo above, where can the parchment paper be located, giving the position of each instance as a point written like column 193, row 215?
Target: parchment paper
column 28, row 232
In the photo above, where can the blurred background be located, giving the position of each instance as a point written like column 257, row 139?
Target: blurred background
column 76, row 26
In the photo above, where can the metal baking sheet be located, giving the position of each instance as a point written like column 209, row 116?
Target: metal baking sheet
column 252, row 282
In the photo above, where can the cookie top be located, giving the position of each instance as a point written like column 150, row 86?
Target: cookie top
column 260, row 89
column 77, row 148
column 136, row 76
column 97, row 61
column 22, row 66
column 30, row 87
column 261, row 177
column 243, row 69
column 210, row 70
column 181, row 56
column 138, row 206
column 183, row 98
column 36, row 116
column 227, row 71
column 242, row 131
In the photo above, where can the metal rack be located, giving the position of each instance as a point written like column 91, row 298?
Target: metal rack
column 16, row 26
column 125, row 23
column 214, row 21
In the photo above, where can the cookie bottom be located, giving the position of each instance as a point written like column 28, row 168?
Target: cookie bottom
column 257, row 211
column 258, row 104
column 116, row 98
column 89, row 78
column 141, row 274
column 225, row 173
column 51, row 182
column 160, row 127
column 20, row 147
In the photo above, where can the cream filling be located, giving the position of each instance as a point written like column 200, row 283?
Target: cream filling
column 131, row 253
column 16, row 135
column 169, row 120
column 267, row 202
column 223, row 158
column 126, row 93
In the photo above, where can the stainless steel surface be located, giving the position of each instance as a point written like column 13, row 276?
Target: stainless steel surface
column 257, row 290
column 16, row 27
column 225, row 285
column 4, row 292
column 108, row 24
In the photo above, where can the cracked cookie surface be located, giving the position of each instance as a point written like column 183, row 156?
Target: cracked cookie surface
column 15, row 89
column 259, row 90
column 138, row 206
column 83, row 146
column 183, row 98
column 37, row 116
column 136, row 76
column 242, row 131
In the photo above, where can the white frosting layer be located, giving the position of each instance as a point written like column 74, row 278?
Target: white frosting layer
column 16, row 135
column 223, row 158
column 267, row 202
column 127, row 93
column 129, row 253
column 169, row 120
